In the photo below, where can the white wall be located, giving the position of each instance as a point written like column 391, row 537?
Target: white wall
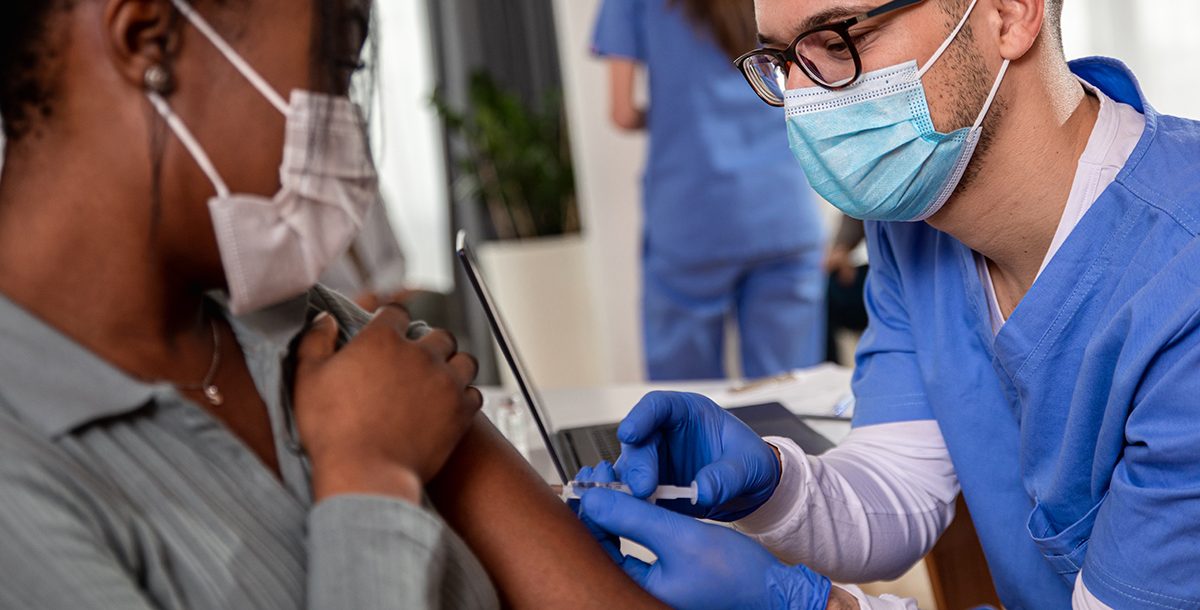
column 608, row 169
column 408, row 141
column 1157, row 38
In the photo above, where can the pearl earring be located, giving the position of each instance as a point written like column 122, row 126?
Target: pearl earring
column 158, row 79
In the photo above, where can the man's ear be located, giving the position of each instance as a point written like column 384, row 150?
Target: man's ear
column 142, row 34
column 1021, row 23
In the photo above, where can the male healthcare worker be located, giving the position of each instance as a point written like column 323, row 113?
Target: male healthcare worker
column 1034, row 336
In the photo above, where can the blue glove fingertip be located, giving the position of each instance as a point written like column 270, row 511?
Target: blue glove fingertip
column 637, row 569
column 596, row 504
column 627, row 432
column 708, row 489
column 798, row 587
column 640, row 483
column 604, row 473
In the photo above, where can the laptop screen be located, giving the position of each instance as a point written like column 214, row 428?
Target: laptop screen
column 508, row 348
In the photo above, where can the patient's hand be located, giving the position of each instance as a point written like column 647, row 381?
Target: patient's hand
column 372, row 301
column 383, row 414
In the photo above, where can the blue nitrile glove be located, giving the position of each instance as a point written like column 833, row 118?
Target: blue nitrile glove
column 673, row 439
column 701, row 566
column 602, row 473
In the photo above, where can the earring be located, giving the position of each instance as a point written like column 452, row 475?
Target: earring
column 158, row 79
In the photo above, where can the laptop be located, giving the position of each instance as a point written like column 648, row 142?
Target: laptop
column 574, row 448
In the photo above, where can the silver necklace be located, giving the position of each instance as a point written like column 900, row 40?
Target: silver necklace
column 206, row 387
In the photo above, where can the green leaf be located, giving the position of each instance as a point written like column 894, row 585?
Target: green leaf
column 517, row 154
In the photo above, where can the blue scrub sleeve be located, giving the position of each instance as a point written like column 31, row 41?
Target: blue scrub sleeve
column 620, row 29
column 1144, row 550
column 887, row 382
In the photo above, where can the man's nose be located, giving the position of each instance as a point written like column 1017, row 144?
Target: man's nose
column 797, row 79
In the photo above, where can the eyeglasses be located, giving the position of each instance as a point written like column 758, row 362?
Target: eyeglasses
column 825, row 54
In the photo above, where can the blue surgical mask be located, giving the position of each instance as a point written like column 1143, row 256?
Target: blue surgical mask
column 871, row 149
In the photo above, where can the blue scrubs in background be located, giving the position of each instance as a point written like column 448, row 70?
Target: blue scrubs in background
column 1075, row 431
column 731, row 228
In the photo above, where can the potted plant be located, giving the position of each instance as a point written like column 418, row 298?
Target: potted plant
column 517, row 160
column 517, row 164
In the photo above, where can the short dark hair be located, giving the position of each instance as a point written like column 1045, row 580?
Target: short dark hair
column 25, row 87
column 29, row 57
column 1054, row 9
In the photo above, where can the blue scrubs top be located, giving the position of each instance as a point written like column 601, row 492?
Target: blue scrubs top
column 1076, row 431
column 720, row 183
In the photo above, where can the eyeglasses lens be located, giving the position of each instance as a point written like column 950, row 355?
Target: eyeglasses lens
column 769, row 77
column 827, row 58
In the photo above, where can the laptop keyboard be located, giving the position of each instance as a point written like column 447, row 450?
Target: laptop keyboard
column 606, row 443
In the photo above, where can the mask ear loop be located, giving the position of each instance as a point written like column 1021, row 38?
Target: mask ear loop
column 992, row 96
column 189, row 142
column 946, row 43
column 234, row 58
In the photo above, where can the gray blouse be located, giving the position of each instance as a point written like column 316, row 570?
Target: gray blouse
column 120, row 494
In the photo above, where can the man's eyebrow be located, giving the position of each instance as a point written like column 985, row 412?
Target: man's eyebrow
column 816, row 20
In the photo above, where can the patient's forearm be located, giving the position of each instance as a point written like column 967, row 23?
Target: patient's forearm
column 537, row 552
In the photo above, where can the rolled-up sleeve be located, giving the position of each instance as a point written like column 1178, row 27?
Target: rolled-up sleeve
column 619, row 30
column 371, row 552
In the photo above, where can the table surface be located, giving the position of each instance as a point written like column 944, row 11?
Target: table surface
column 822, row 392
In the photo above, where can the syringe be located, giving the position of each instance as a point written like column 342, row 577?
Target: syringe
column 574, row 489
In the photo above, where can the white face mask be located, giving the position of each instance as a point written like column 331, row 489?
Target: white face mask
column 274, row 249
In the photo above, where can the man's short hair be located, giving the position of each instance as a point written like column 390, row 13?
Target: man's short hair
column 1054, row 9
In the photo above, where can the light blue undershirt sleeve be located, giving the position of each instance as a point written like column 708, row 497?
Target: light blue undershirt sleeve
column 620, row 30
column 1144, row 547
column 887, row 379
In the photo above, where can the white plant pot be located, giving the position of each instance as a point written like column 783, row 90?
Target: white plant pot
column 544, row 294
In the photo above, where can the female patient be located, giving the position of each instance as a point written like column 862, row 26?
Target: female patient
column 185, row 422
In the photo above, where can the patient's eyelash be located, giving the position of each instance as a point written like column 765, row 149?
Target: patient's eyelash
column 354, row 66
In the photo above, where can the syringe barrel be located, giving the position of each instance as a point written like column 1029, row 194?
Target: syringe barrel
column 574, row 490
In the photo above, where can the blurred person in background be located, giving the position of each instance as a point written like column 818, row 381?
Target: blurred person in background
column 846, row 311
column 731, row 229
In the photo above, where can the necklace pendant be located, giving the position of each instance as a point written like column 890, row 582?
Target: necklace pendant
column 213, row 394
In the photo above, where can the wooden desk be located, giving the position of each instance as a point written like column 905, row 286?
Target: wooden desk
column 957, row 569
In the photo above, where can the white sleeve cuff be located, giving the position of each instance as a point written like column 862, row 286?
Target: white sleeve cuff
column 866, row 510
column 885, row 602
column 789, row 497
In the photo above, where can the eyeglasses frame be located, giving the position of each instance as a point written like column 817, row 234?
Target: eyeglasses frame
column 789, row 56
